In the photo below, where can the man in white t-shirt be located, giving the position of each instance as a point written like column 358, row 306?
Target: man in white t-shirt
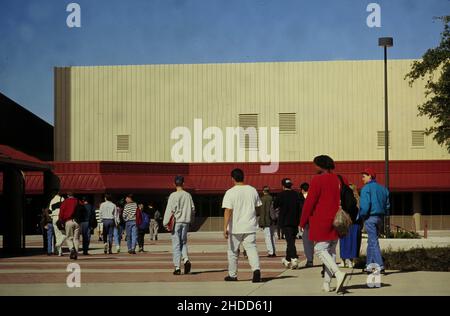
column 240, row 203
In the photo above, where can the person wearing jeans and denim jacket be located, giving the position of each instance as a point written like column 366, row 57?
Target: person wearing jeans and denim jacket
column 374, row 205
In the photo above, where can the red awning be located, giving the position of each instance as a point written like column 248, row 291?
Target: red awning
column 214, row 178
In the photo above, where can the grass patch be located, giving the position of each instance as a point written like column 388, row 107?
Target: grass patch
column 414, row 259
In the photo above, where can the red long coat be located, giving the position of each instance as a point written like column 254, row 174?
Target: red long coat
column 321, row 206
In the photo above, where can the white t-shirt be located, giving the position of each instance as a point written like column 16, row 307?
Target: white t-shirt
column 242, row 199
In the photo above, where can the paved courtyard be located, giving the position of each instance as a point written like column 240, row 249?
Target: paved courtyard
column 150, row 273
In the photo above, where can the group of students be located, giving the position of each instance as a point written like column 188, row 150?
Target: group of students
column 312, row 212
column 67, row 219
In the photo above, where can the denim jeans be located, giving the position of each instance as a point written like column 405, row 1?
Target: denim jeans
column 373, row 224
column 108, row 231
column 131, row 229
column 86, row 233
column 179, row 243
column 50, row 238
column 249, row 243
column 326, row 251
column 118, row 231
column 268, row 237
column 308, row 244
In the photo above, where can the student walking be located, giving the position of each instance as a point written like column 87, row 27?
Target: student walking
column 67, row 215
column 107, row 216
column 266, row 222
column 119, row 225
column 54, row 209
column 308, row 244
column 181, row 206
column 143, row 226
column 350, row 244
column 290, row 206
column 47, row 224
column 240, row 203
column 319, row 211
column 86, row 223
column 374, row 205
column 155, row 217
column 129, row 216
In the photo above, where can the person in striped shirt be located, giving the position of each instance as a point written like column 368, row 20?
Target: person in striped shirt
column 129, row 216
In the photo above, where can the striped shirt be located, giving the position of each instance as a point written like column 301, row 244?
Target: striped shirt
column 129, row 212
column 97, row 216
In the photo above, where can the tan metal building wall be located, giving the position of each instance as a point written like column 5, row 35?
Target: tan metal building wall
column 339, row 108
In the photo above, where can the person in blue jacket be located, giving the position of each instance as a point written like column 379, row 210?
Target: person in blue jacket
column 374, row 205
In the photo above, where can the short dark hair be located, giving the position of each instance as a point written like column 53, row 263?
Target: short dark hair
column 324, row 162
column 108, row 196
column 130, row 196
column 238, row 175
column 179, row 180
column 266, row 189
column 304, row 186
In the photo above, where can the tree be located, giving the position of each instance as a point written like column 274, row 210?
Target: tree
column 435, row 65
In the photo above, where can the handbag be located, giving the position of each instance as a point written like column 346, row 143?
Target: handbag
column 342, row 220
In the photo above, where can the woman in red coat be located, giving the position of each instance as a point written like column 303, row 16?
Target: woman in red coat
column 319, row 210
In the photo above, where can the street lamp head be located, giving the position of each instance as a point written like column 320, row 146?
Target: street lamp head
column 386, row 41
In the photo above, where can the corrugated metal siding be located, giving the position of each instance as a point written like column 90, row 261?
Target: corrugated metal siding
column 338, row 104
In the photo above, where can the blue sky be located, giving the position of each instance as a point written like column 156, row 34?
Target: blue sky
column 34, row 36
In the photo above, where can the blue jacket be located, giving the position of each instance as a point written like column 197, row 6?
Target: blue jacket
column 374, row 200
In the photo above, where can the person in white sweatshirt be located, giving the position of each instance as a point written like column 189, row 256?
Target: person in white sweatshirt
column 181, row 206
column 53, row 210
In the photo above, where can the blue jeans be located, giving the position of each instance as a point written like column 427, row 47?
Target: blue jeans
column 131, row 230
column 179, row 243
column 118, row 230
column 50, row 238
column 373, row 224
column 86, row 233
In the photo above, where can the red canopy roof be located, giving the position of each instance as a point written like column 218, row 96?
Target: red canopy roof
column 11, row 156
column 98, row 177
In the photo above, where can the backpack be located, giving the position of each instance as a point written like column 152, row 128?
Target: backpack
column 274, row 212
column 145, row 221
column 348, row 200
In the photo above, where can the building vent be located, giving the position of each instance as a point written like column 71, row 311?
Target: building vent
column 246, row 121
column 287, row 123
column 418, row 138
column 380, row 139
column 123, row 142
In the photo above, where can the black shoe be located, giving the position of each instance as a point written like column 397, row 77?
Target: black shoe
column 187, row 267
column 85, row 253
column 110, row 251
column 271, row 256
column 177, row 272
column 73, row 254
column 309, row 264
column 256, row 276
column 130, row 252
column 156, row 237
column 133, row 252
column 229, row 278
column 49, row 254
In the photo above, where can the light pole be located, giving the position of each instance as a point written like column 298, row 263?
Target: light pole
column 386, row 42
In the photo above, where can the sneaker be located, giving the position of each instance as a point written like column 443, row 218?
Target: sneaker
column 326, row 287
column 230, row 278
column 285, row 263
column 105, row 248
column 187, row 267
column 50, row 254
column 340, row 279
column 294, row 263
column 177, row 271
column 349, row 263
column 130, row 252
column 141, row 249
column 118, row 249
column 133, row 252
column 156, row 237
column 256, row 276
column 85, row 253
column 309, row 264
column 342, row 264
